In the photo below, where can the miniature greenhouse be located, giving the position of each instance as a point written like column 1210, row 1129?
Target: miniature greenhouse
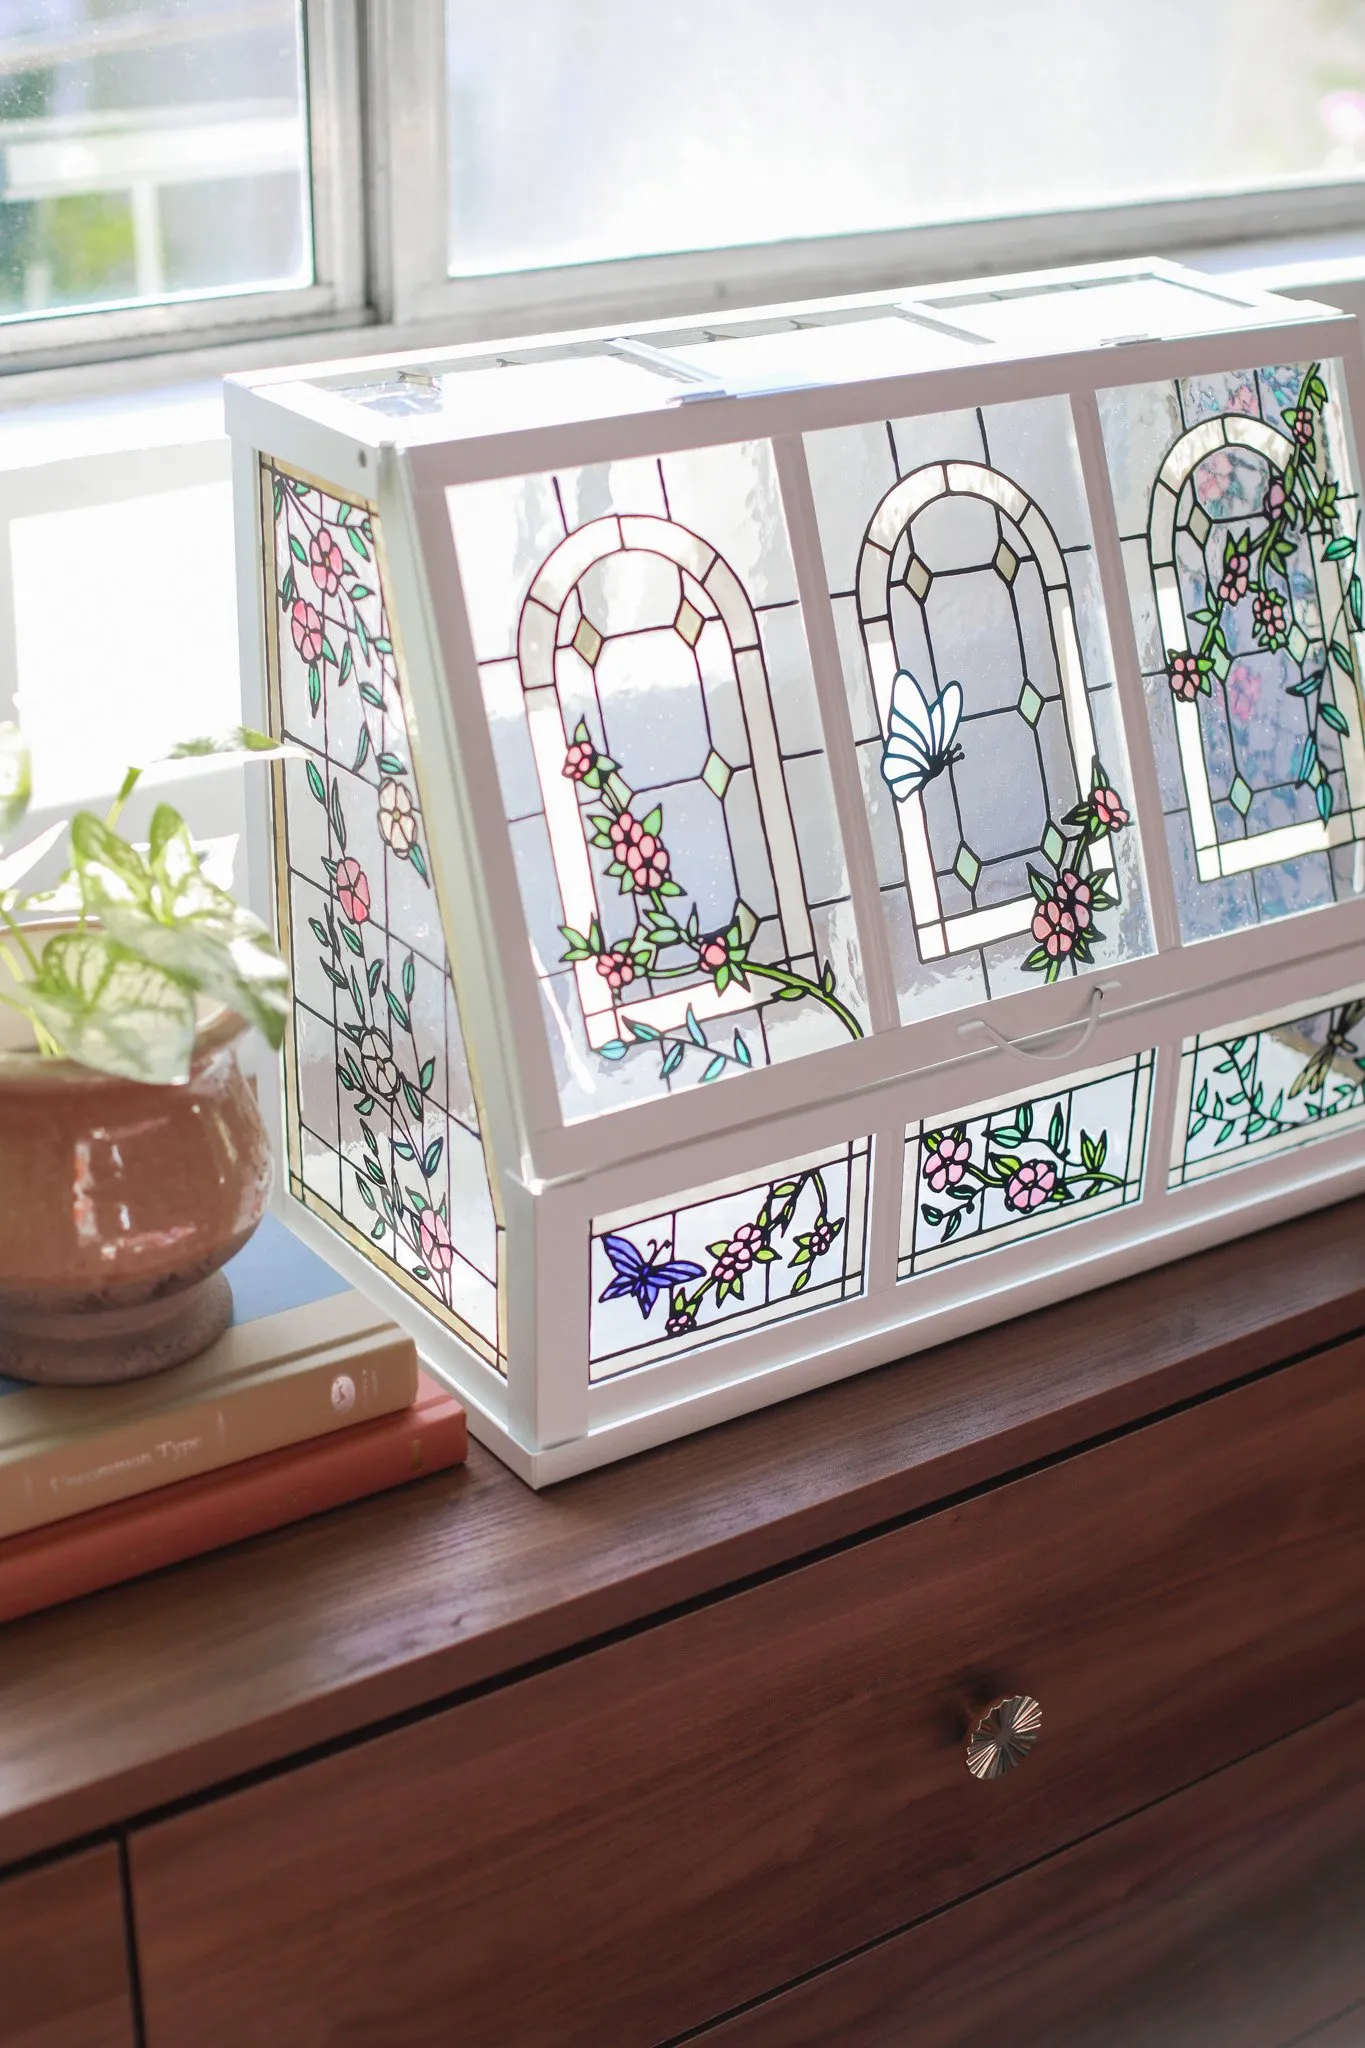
column 807, row 834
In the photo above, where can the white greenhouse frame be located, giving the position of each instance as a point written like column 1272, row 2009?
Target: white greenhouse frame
column 547, row 1419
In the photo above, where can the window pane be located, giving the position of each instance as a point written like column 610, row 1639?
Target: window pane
column 1238, row 510
column 150, row 148
column 1268, row 1086
column 589, row 129
column 643, row 657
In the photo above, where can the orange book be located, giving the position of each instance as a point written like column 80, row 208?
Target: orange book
column 129, row 1537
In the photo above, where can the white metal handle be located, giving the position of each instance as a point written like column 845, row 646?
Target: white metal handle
column 1085, row 1025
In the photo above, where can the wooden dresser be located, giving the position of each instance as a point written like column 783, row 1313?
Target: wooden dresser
column 676, row 1751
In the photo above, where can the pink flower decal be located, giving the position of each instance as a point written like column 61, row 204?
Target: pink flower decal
column 1060, row 924
column 1187, row 678
column 397, row 817
column 639, row 852
column 353, row 890
column 1269, row 618
column 305, row 623
column 713, row 955
column 948, row 1163
column 326, row 561
column 739, row 1254
column 822, row 1236
column 1108, row 808
column 1272, row 504
column 433, row 1237
column 616, row 970
column 1030, row 1185
column 579, row 760
column 1236, row 571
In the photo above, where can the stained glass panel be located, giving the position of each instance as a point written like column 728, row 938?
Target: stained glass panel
column 1012, row 1169
column 645, row 673
column 1267, row 1086
column 383, row 1132
column 1238, row 506
column 735, row 1256
column 976, row 655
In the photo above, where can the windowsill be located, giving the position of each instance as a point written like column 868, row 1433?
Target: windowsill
column 136, row 400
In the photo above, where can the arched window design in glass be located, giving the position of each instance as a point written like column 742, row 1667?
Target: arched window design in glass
column 1270, row 1085
column 1238, row 511
column 382, row 1126
column 648, row 687
column 980, row 677
column 1010, row 1169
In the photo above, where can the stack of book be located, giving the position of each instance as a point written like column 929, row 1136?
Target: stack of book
column 311, row 1398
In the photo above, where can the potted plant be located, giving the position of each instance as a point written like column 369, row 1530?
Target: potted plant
column 133, row 1159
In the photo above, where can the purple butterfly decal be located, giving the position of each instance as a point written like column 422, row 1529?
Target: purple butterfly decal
column 644, row 1278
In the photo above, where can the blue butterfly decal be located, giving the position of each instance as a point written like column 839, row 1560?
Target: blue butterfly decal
column 644, row 1278
column 923, row 737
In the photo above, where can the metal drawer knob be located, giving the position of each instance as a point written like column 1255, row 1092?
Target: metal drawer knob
column 1004, row 1735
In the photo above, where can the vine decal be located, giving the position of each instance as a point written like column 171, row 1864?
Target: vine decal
column 383, row 1070
column 397, row 1152
column 1050, row 1176
column 662, row 943
column 1233, row 1096
column 1064, row 927
column 1299, row 502
column 330, row 600
column 734, row 1260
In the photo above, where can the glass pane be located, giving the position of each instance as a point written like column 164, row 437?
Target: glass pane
column 1012, row 1169
column 980, row 677
column 383, row 1124
column 728, row 1258
column 150, row 148
column 1268, row 1086
column 649, row 691
column 1238, row 506
column 590, row 129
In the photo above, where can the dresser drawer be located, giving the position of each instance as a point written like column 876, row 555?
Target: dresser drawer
column 63, row 1956
column 620, row 1847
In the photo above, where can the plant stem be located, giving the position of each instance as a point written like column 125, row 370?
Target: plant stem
column 785, row 979
column 18, row 931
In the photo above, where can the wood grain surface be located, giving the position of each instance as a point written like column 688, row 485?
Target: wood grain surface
column 150, row 1692
column 1231, row 1915
column 620, row 1847
column 63, row 1958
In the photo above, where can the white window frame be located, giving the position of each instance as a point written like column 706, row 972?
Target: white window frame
column 334, row 100
column 410, row 203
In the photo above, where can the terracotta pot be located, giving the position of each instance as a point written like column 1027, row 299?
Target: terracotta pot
column 119, row 1202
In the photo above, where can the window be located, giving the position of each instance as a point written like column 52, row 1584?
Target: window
column 644, row 662
column 635, row 132
column 1242, row 491
column 173, row 167
column 249, row 173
